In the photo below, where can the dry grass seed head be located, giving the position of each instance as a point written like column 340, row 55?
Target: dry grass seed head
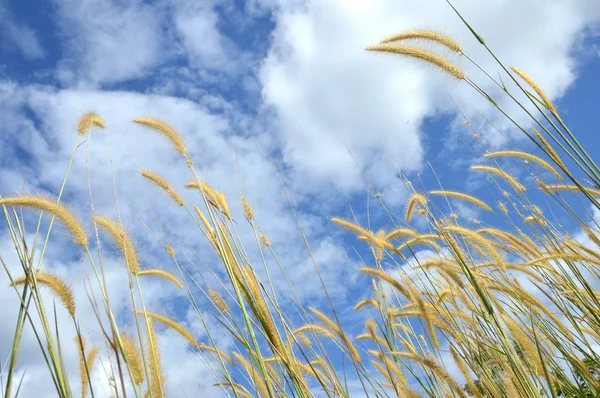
column 464, row 196
column 162, row 183
column 247, row 210
column 527, row 156
column 88, row 120
column 57, row 285
column 511, row 180
column 172, row 324
column 218, row 301
column 59, row 211
column 163, row 274
column 536, row 88
column 133, row 357
column 423, row 34
column 122, row 240
column 553, row 154
column 164, row 129
column 415, row 199
column 418, row 53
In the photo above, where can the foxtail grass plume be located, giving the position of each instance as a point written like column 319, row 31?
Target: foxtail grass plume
column 222, row 202
column 59, row 211
column 247, row 210
column 415, row 199
column 163, row 274
column 464, row 196
column 57, row 285
column 218, row 301
column 573, row 188
column 210, row 193
column 387, row 278
column 431, row 58
column 156, row 388
column 526, row 156
column 339, row 332
column 422, row 34
column 122, row 240
column 494, row 170
column 545, row 99
column 162, row 183
column 88, row 120
column 164, row 129
column 85, row 361
column 133, row 357
column 553, row 154
column 172, row 324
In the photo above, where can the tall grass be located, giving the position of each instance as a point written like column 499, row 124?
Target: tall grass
column 502, row 309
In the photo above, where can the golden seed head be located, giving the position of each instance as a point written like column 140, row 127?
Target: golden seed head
column 247, row 210
column 222, row 202
column 60, row 211
column 57, row 285
column 164, row 129
column 427, row 56
column 536, row 88
column 170, row 250
column 172, row 324
column 133, row 358
column 161, row 273
column 122, row 240
column 426, row 35
column 162, row 183
column 88, row 120
column 265, row 240
column 218, row 301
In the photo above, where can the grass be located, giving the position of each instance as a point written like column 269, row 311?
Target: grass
column 503, row 309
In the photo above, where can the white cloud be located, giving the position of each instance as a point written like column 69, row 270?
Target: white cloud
column 109, row 41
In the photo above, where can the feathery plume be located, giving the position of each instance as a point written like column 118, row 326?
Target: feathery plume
column 133, row 358
column 247, row 210
column 575, row 188
column 122, row 240
column 57, row 285
column 414, row 199
column 163, row 274
column 527, row 156
column 420, row 54
column 216, row 351
column 164, row 129
column 59, row 211
column 435, row 368
column 172, row 324
column 85, row 362
column 161, row 182
column 536, row 88
column 157, row 378
column 222, row 202
column 218, row 301
column 210, row 193
column 88, row 120
column 511, row 180
column 553, row 154
column 464, row 196
column 339, row 332
column 388, row 278
column 425, row 35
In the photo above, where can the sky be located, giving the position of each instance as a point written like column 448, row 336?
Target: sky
column 254, row 86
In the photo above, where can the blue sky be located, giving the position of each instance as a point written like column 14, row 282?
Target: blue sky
column 250, row 83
